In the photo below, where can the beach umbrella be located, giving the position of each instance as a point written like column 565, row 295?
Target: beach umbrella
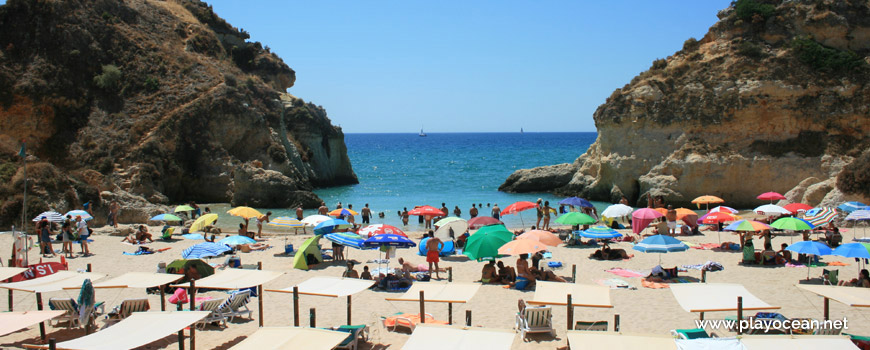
column 576, row 201
column 342, row 212
column 642, row 217
column 481, row 221
column 747, row 226
column 203, row 221
column 485, row 242
column 768, row 209
column 717, row 217
column 599, row 232
column 707, row 200
column 244, row 212
column 183, row 207
column 852, row 206
column 286, row 221
column 193, row 236
column 380, row 229
column 684, row 212
column 451, row 224
column 86, row 301
column 660, row 244
column 521, row 246
column 792, row 224
column 852, row 250
column 545, row 237
column 518, row 207
column 448, row 220
column 85, row 215
column 237, row 240
column 820, row 216
column 347, row 239
column 857, row 215
column 331, row 225
column 313, row 220
column 811, row 248
column 388, row 240
column 205, row 250
column 797, row 207
column 723, row 208
column 52, row 216
column 165, row 217
column 575, row 218
column 770, row 196
column 427, row 210
column 617, row 211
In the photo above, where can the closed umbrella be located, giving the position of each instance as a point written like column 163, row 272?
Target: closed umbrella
column 521, row 246
column 203, row 221
column 52, row 216
column 165, row 217
column 86, row 301
column 244, row 212
column 617, row 211
column 599, row 232
column 769, row 209
column 660, row 244
column 577, row 202
column 482, row 221
column 642, row 217
column 485, row 242
column 380, row 229
column 205, row 250
column 237, row 240
column 518, row 207
column 575, row 218
column 811, row 248
column 545, row 237
column 85, row 215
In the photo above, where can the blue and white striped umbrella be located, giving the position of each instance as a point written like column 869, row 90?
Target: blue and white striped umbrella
column 859, row 215
column 330, row 226
column 52, row 216
column 346, row 239
column 599, row 232
column 85, row 215
column 237, row 240
column 389, row 240
column 853, row 206
column 205, row 250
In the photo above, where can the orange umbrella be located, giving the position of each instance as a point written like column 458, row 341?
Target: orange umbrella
column 684, row 212
column 521, row 246
column 707, row 200
column 541, row 236
column 662, row 211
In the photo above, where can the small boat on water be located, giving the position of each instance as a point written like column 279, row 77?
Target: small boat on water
column 422, row 134
column 521, row 130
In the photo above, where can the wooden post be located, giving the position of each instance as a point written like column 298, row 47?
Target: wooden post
column 192, row 293
column 468, row 318
column 827, row 308
column 616, row 323
column 260, row 294
column 422, row 308
column 181, row 332
column 450, row 274
column 162, row 298
column 450, row 313
column 348, row 310
column 89, row 268
column 574, row 273
column 312, row 317
column 10, row 301
column 702, row 315
column 739, row 314
column 52, row 344
column 41, row 324
column 703, row 276
column 295, row 306
column 570, row 313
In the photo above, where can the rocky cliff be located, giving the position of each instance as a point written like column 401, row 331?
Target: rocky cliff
column 774, row 97
column 152, row 102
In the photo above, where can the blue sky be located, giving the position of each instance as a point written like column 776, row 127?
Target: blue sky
column 394, row 66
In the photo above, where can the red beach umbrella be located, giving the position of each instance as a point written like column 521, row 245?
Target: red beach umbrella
column 518, row 207
column 482, row 221
column 717, row 217
column 427, row 210
column 380, row 229
column 770, row 196
column 797, row 207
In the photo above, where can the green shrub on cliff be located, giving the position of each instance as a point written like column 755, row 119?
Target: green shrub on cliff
column 749, row 49
column 747, row 9
column 110, row 79
column 824, row 58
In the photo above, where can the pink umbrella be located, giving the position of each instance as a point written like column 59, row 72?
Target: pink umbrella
column 770, row 196
column 380, row 229
column 641, row 218
column 482, row 221
column 427, row 210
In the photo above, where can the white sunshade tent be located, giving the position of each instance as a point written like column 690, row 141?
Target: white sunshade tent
column 9, row 272
column 449, row 293
column 578, row 340
column 14, row 320
column 798, row 342
column 327, row 286
column 139, row 280
column 584, row 295
column 233, row 279
column 268, row 338
column 850, row 296
column 139, row 329
column 54, row 282
column 709, row 297
column 431, row 337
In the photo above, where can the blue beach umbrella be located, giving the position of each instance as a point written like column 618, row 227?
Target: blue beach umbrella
column 852, row 206
column 346, row 239
column 599, row 232
column 852, row 250
column 811, row 248
column 205, row 250
column 85, row 215
column 576, row 201
column 165, row 217
column 858, row 215
column 660, row 244
column 388, row 240
column 237, row 240
column 330, row 226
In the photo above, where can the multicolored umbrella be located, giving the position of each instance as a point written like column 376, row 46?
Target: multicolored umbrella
column 427, row 210
column 342, row 212
column 347, row 239
column 203, row 221
column 770, row 196
column 237, row 240
column 747, row 226
column 599, row 232
column 244, row 212
column 52, row 216
column 331, row 225
column 165, row 217
column 853, row 206
column 85, row 215
column 792, row 224
column 314, row 220
column 521, row 246
column 820, row 216
column 723, row 208
column 769, row 209
column 485, row 242
column 380, row 229
column 577, row 202
column 617, row 211
column 797, row 207
column 205, row 250
column 575, row 218
column 286, row 221
column 545, row 237
column 482, row 221
column 183, row 207
column 660, row 244
column 388, row 240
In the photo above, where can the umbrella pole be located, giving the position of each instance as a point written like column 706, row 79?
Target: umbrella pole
column 521, row 221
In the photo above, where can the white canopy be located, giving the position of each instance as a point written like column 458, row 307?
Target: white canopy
column 14, row 320
column 54, row 282
column 851, row 296
column 329, row 286
column 139, row 329
column 617, row 341
column 268, row 338
column 797, row 342
column 440, row 292
column 707, row 297
column 139, row 280
column 8, row 272
column 431, row 337
column 236, row 279
column 556, row 293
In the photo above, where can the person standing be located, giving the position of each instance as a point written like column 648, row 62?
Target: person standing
column 196, row 212
column 114, row 210
column 671, row 216
column 496, row 211
column 43, row 228
column 473, row 211
column 546, row 209
column 405, row 216
column 260, row 221
column 349, row 217
column 84, row 233
column 66, row 237
column 366, row 214
column 444, row 210
column 540, row 215
column 457, row 211
column 433, row 252
column 323, row 209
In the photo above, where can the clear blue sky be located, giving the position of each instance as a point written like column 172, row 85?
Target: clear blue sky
column 481, row 65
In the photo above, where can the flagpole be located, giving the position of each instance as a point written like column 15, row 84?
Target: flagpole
column 23, row 154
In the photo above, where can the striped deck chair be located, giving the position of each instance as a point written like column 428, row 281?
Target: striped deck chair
column 535, row 320
column 72, row 311
column 233, row 305
column 124, row 310
column 215, row 315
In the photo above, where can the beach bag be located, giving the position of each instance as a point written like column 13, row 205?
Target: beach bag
column 554, row 264
column 179, row 297
column 422, row 277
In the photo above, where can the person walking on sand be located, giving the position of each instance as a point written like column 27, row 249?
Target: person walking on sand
column 82, row 227
column 473, row 211
column 432, row 252
column 114, row 210
column 540, row 213
column 496, row 211
column 260, row 221
column 457, row 211
column 366, row 214
column 671, row 216
column 323, row 209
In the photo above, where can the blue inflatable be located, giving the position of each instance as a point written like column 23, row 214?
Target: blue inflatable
column 447, row 248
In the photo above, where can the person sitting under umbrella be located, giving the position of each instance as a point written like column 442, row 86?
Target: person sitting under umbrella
column 488, row 273
column 863, row 280
column 506, row 274
column 784, row 255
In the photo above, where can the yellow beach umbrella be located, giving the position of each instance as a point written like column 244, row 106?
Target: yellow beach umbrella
column 203, row 221
column 244, row 212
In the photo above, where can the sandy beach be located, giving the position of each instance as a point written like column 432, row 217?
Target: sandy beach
column 641, row 310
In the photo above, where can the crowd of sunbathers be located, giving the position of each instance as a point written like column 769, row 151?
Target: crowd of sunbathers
column 522, row 278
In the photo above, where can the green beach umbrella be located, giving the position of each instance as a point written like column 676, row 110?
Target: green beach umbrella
column 181, row 208
column 792, row 224
column 485, row 242
column 310, row 246
column 575, row 218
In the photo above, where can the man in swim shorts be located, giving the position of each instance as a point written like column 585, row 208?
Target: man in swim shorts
column 432, row 251
column 671, row 216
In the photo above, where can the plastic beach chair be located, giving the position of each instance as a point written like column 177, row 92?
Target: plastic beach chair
column 831, row 277
column 126, row 308
column 215, row 315
column 233, row 306
column 72, row 310
column 535, row 320
column 356, row 333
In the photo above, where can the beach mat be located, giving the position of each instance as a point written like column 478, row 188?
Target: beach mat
column 613, row 283
column 626, row 273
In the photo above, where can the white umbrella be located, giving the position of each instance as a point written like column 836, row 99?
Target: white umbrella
column 457, row 226
column 725, row 209
column 771, row 209
column 313, row 220
column 617, row 211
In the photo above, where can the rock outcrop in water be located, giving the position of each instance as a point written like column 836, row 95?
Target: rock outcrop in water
column 775, row 97
column 151, row 102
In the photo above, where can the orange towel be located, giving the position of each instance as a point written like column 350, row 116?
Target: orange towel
column 403, row 320
column 654, row 285
column 837, row 263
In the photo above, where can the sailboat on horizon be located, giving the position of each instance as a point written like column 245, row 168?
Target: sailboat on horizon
column 422, row 134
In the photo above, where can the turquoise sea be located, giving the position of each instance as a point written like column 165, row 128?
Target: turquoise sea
column 404, row 170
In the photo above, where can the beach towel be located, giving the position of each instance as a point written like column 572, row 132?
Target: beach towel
column 626, row 273
column 794, row 265
column 705, row 246
column 709, row 266
column 653, row 285
column 837, row 263
column 614, row 283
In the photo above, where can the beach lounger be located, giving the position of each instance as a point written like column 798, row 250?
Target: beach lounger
column 215, row 315
column 234, row 305
column 356, row 333
column 535, row 320
column 406, row 320
column 600, row 326
column 695, row 333
column 831, row 277
column 124, row 310
column 72, row 310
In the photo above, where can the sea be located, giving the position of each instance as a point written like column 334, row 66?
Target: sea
column 398, row 171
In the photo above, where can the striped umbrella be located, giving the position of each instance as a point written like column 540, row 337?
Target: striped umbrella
column 853, row 206
column 347, row 239
column 52, row 216
column 859, row 215
column 205, row 250
column 660, row 244
column 286, row 221
column 85, row 215
column 725, row 209
column 747, row 226
column 820, row 216
column 599, row 232
column 380, row 229
column 342, row 212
